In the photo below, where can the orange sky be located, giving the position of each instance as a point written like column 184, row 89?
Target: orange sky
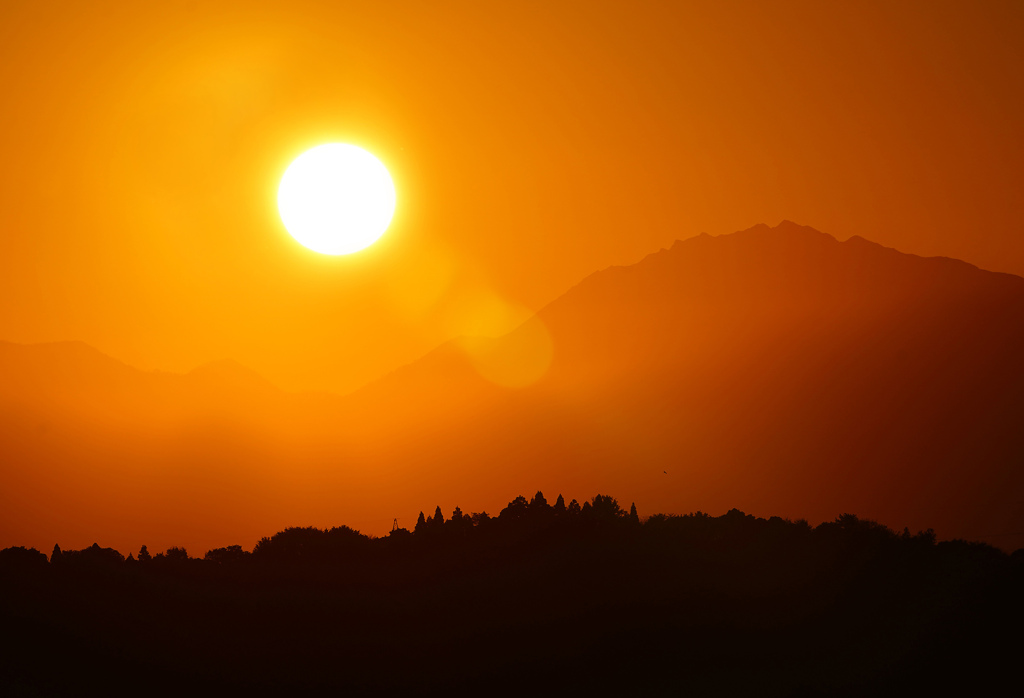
column 530, row 144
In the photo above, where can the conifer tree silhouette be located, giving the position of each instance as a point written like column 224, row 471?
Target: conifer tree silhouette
column 559, row 507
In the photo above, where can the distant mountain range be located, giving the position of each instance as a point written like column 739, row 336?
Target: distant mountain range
column 776, row 370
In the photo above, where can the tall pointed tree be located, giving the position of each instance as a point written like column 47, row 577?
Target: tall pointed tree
column 560, row 505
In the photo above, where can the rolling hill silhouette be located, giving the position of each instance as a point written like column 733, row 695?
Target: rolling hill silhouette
column 562, row 598
column 776, row 370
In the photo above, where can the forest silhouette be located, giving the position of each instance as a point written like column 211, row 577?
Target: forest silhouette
column 540, row 598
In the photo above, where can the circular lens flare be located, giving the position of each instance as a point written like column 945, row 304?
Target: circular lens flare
column 336, row 199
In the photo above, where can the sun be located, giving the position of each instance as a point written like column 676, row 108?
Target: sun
column 336, row 199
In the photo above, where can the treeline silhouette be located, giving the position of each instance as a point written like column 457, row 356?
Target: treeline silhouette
column 541, row 598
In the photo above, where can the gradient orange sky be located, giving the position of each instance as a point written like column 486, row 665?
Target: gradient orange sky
column 530, row 144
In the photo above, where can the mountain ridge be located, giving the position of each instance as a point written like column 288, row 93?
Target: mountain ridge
column 773, row 370
column 227, row 366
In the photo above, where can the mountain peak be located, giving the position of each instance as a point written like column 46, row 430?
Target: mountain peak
column 864, row 242
column 786, row 228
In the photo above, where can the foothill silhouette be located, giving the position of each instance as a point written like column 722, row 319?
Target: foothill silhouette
column 541, row 597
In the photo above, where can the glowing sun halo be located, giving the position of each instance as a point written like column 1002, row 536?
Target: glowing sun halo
column 336, row 199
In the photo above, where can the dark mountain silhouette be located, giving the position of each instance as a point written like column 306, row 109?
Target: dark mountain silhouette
column 775, row 369
column 540, row 598
column 776, row 365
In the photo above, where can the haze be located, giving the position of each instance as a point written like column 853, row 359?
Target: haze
column 533, row 145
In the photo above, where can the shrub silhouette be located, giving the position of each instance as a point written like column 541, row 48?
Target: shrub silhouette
column 230, row 554
column 309, row 544
column 538, row 504
column 173, row 555
column 21, row 559
column 605, row 508
column 93, row 557
column 517, row 510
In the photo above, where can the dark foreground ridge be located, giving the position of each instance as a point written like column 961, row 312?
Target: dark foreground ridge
column 541, row 599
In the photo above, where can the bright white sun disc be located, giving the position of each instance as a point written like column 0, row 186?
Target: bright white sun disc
column 336, row 199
